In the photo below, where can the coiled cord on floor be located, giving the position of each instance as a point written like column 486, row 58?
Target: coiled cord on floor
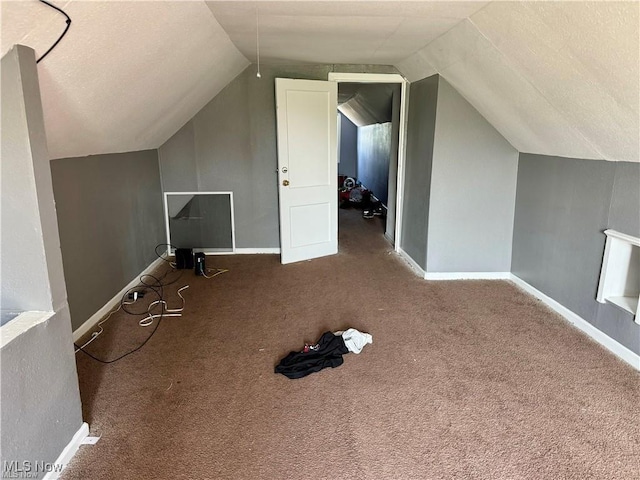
column 156, row 288
column 155, row 285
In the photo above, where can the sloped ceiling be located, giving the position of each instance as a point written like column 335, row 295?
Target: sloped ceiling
column 556, row 78
column 337, row 32
column 127, row 75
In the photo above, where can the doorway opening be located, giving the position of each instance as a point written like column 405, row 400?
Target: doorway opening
column 371, row 130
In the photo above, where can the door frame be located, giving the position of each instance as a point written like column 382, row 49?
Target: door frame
column 340, row 77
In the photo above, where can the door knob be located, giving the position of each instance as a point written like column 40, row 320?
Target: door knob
column 285, row 183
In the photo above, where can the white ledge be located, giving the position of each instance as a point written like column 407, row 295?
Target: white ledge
column 623, row 236
column 23, row 322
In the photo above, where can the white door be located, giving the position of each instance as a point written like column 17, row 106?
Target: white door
column 307, row 168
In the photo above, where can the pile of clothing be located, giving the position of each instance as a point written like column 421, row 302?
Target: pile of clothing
column 354, row 194
column 327, row 352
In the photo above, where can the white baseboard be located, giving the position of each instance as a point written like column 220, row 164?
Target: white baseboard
column 602, row 338
column 452, row 275
column 244, row 251
column 256, row 251
column 418, row 269
column 68, row 453
column 467, row 276
column 87, row 326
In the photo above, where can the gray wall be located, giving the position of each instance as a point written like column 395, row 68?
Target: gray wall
column 30, row 263
column 178, row 161
column 110, row 215
column 473, row 190
column 41, row 410
column 421, row 124
column 460, row 184
column 562, row 207
column 39, row 392
column 348, row 148
column 234, row 148
column 624, row 214
column 374, row 155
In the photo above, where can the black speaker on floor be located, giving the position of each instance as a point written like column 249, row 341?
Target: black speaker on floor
column 200, row 263
column 184, row 258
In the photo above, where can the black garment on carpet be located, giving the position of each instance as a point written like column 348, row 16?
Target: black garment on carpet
column 327, row 353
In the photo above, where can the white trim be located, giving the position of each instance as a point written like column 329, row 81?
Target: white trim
column 258, row 251
column 366, row 77
column 467, row 276
column 200, row 193
column 623, row 236
column 165, row 201
column 599, row 336
column 243, row 251
column 619, row 268
column 402, row 143
column 339, row 138
column 213, row 251
column 166, row 219
column 87, row 326
column 412, row 263
column 233, row 222
column 68, row 452
column 402, row 134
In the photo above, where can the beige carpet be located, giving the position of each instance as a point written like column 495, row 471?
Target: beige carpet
column 470, row 379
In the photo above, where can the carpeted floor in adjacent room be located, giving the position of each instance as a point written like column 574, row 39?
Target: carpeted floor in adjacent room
column 465, row 379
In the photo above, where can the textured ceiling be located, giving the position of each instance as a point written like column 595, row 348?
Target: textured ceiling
column 128, row 75
column 557, row 78
column 337, row 32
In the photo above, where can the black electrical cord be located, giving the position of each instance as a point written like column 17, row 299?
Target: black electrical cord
column 159, row 292
column 165, row 259
column 107, row 362
column 68, row 22
column 156, row 286
column 164, row 245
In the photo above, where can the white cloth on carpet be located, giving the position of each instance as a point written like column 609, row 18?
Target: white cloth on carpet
column 355, row 340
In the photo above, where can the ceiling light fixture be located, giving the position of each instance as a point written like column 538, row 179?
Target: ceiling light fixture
column 258, row 43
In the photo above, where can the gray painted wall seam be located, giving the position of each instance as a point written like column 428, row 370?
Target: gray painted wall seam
column 430, row 206
column 430, row 178
column 513, row 230
column 613, row 191
column 160, row 172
